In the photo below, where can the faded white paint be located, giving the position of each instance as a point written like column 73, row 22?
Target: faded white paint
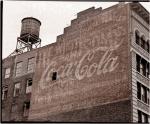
column 107, row 63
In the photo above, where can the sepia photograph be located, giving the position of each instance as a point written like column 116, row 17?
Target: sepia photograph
column 75, row 61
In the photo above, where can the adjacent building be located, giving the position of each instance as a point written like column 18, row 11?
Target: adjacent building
column 96, row 71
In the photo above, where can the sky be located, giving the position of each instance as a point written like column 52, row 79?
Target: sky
column 54, row 16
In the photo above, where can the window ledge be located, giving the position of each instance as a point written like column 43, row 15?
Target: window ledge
column 142, row 79
column 143, row 102
column 143, row 106
column 140, row 50
column 142, row 75
column 141, row 47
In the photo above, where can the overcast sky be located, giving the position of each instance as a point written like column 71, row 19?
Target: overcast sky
column 55, row 16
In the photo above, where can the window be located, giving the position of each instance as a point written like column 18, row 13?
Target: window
column 138, row 90
column 4, row 93
column 147, row 71
column 142, row 66
column 137, row 38
column 142, row 93
column 141, row 69
column 148, row 97
column 7, row 72
column 17, row 89
column 142, row 117
column 139, row 116
column 147, row 46
column 31, row 63
column 138, row 60
column 143, row 42
column 54, row 76
column 18, row 69
column 29, row 86
column 14, row 108
column 26, row 108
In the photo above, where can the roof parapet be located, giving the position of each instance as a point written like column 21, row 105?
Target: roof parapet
column 85, row 12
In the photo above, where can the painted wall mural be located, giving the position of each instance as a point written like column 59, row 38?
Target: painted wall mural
column 94, row 67
column 106, row 63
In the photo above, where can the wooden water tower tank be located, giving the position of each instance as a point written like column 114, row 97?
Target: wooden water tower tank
column 30, row 26
column 29, row 36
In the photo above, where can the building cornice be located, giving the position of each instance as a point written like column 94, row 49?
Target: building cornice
column 141, row 11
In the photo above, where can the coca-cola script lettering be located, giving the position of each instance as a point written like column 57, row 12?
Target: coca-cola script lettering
column 77, row 70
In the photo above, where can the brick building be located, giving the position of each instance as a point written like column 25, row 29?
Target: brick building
column 96, row 71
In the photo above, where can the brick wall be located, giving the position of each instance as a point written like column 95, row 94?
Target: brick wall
column 91, row 59
column 18, row 101
column 113, row 112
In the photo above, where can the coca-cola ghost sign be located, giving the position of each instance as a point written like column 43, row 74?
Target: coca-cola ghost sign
column 91, row 67
column 78, row 70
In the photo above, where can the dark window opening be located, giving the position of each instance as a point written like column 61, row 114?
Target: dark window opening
column 142, row 117
column 137, row 38
column 148, row 97
column 138, row 63
column 138, row 90
column 26, row 108
column 147, row 46
column 142, row 93
column 54, row 76
column 139, row 116
column 143, row 62
column 30, row 82
column 147, row 71
column 142, row 43
column 142, row 66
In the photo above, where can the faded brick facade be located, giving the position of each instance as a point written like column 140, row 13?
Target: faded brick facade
column 92, row 61
column 11, row 100
column 92, row 66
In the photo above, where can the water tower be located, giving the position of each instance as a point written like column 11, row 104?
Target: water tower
column 29, row 36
